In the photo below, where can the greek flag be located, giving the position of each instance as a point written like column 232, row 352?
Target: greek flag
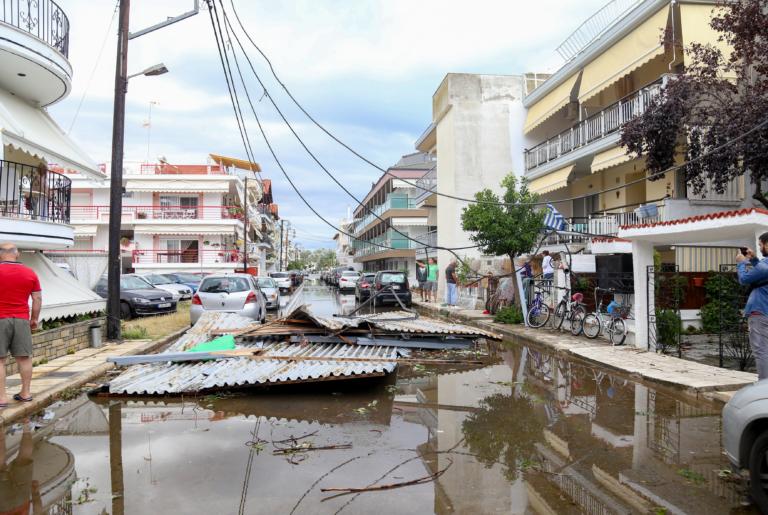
column 553, row 219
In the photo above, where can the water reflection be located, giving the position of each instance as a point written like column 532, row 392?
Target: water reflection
column 533, row 433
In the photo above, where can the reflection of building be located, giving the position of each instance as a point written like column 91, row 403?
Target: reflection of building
column 345, row 250
column 37, row 157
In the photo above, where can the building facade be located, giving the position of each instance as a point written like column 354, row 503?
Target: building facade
column 37, row 157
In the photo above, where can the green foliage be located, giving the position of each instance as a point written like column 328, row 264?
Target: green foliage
column 508, row 230
column 692, row 476
column 722, row 312
column 509, row 315
column 296, row 265
column 136, row 332
column 668, row 328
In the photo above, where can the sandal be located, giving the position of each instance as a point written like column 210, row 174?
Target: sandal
column 19, row 398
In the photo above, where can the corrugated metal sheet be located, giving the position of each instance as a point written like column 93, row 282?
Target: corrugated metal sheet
column 174, row 378
column 210, row 321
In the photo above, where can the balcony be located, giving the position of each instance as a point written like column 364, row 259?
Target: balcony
column 597, row 225
column 169, row 169
column 34, row 206
column 426, row 183
column 372, row 215
column 34, row 49
column 429, row 239
column 596, row 127
column 189, row 257
column 133, row 213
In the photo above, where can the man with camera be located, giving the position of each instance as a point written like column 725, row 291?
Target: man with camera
column 756, row 310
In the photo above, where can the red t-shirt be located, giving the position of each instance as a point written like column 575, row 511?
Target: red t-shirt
column 17, row 282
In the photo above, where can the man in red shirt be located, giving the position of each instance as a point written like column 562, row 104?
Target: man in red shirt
column 19, row 283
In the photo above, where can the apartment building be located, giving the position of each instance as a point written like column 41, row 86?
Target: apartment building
column 475, row 140
column 215, row 217
column 345, row 250
column 377, row 246
column 616, row 63
column 37, row 157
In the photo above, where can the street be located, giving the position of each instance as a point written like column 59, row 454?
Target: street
column 528, row 432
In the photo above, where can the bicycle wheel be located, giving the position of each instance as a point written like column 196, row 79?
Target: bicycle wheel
column 560, row 312
column 538, row 315
column 617, row 331
column 577, row 320
column 591, row 326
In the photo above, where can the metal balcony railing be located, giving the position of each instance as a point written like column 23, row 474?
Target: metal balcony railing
column 160, row 212
column 188, row 256
column 582, row 229
column 43, row 19
column 390, row 203
column 597, row 126
column 594, row 26
column 34, row 193
column 426, row 182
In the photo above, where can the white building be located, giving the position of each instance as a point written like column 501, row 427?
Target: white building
column 345, row 251
column 37, row 156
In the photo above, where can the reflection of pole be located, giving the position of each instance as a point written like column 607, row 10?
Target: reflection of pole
column 116, row 457
column 245, row 229
column 280, row 264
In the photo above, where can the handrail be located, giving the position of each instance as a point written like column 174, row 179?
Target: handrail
column 34, row 193
column 593, row 27
column 43, row 19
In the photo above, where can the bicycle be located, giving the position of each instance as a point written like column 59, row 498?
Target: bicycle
column 594, row 323
column 538, row 313
column 571, row 310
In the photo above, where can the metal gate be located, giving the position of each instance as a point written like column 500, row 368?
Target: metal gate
column 665, row 288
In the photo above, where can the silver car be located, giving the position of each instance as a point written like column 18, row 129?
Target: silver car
column 348, row 280
column 745, row 437
column 271, row 291
column 231, row 293
column 166, row 283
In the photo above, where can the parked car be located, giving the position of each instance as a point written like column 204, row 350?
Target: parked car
column 166, row 283
column 745, row 437
column 137, row 297
column 398, row 288
column 363, row 287
column 271, row 291
column 231, row 293
column 348, row 280
column 283, row 280
column 191, row 281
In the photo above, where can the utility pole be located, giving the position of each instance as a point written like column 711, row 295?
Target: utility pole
column 114, row 267
column 280, row 263
column 245, row 229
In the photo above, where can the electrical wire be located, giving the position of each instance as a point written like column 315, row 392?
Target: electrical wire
column 415, row 185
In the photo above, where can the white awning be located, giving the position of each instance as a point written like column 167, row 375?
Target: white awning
column 63, row 295
column 169, row 185
column 82, row 231
column 183, row 229
column 32, row 130
column 410, row 220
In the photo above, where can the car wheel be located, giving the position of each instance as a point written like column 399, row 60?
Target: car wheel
column 125, row 311
column 758, row 472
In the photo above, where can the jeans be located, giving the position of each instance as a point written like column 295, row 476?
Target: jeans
column 451, row 294
column 758, row 340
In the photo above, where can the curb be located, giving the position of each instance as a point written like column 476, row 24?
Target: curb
column 44, row 398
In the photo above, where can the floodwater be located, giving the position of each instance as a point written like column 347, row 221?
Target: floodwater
column 530, row 433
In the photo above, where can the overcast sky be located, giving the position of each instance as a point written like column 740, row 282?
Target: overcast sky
column 366, row 69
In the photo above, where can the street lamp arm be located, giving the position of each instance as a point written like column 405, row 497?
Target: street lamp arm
column 171, row 20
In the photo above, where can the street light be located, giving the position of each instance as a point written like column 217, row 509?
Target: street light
column 158, row 69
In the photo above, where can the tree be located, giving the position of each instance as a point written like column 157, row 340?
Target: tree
column 703, row 108
column 512, row 229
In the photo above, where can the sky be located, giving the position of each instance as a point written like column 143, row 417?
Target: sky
column 365, row 69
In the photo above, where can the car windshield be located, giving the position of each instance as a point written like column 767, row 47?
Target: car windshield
column 188, row 278
column 132, row 282
column 279, row 275
column 266, row 282
column 225, row 285
column 158, row 279
column 392, row 277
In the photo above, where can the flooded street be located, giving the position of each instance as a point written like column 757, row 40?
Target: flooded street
column 529, row 433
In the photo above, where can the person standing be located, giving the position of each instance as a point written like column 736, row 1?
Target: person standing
column 756, row 309
column 432, row 271
column 16, row 323
column 421, row 278
column 547, row 270
column 451, row 279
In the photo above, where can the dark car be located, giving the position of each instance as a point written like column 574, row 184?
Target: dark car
column 187, row 279
column 138, row 297
column 363, row 287
column 389, row 286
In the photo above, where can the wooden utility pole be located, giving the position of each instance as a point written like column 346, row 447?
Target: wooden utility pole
column 245, row 228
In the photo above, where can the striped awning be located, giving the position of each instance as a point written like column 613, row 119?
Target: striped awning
column 551, row 182
column 85, row 231
column 610, row 158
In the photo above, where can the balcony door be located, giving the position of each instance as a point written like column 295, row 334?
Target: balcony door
column 584, row 207
column 182, row 251
column 178, row 207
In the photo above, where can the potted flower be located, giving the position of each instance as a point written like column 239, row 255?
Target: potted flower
column 698, row 281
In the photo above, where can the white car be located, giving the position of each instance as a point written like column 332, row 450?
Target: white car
column 179, row 291
column 283, row 280
column 348, row 280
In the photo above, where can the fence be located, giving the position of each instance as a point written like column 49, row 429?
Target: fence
column 34, row 193
column 43, row 19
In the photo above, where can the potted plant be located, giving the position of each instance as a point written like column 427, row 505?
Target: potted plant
column 141, row 215
column 698, row 282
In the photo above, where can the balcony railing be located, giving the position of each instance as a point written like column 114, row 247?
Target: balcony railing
column 34, row 193
column 582, row 229
column 43, row 19
column 597, row 126
column 595, row 25
column 390, row 203
column 97, row 213
column 187, row 257
column 169, row 169
column 426, row 182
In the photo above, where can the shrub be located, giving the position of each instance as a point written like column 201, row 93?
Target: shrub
column 509, row 315
column 668, row 325
column 722, row 312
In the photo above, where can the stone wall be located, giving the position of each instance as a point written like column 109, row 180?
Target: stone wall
column 58, row 342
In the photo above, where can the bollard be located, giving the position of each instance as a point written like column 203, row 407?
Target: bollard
column 95, row 336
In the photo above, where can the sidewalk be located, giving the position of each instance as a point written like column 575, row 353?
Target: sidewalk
column 696, row 379
column 72, row 371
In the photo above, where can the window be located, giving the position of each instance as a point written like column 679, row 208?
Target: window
column 175, row 206
column 225, row 285
column 392, row 277
column 181, row 251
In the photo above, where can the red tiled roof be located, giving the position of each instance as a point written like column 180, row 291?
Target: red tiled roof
column 700, row 218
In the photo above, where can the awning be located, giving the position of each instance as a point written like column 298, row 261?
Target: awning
column 178, row 186
column 242, row 164
column 636, row 49
column 551, row 182
column 550, row 104
column 83, row 231
column 63, row 295
column 610, row 158
column 694, row 23
column 32, row 130
column 188, row 229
